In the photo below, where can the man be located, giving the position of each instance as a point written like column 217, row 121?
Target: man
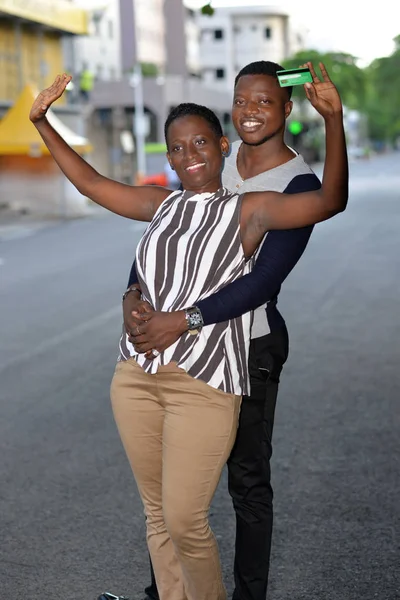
column 86, row 83
column 259, row 161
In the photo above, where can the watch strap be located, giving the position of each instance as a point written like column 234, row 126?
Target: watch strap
column 130, row 289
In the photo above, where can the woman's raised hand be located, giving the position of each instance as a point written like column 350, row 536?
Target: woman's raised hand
column 46, row 98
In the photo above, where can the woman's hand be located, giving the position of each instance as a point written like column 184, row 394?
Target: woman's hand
column 132, row 306
column 48, row 96
column 323, row 95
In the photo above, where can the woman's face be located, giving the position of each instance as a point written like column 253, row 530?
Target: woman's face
column 195, row 152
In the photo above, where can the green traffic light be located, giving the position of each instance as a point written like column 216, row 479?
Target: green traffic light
column 295, row 127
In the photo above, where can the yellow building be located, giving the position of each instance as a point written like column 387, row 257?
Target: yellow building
column 32, row 33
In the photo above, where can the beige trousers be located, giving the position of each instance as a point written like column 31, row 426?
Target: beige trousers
column 177, row 433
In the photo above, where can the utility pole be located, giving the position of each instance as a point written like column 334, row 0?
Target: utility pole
column 139, row 121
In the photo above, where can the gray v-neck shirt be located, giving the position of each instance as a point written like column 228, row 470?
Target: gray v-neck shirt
column 276, row 180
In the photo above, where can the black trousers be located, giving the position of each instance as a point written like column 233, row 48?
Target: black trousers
column 249, row 470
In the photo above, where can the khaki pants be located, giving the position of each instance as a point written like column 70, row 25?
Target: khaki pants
column 177, row 433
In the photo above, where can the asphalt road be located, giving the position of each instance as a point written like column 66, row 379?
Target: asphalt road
column 71, row 519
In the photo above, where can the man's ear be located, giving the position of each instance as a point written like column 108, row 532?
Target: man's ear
column 225, row 145
column 288, row 108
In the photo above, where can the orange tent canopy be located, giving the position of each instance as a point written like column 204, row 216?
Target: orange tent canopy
column 19, row 136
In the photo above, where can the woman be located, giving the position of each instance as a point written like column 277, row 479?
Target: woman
column 177, row 414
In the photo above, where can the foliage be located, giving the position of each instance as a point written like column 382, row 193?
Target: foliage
column 348, row 77
column 373, row 91
column 208, row 10
column 149, row 69
column 383, row 93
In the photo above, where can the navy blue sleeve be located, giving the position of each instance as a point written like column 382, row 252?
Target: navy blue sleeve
column 133, row 278
column 278, row 255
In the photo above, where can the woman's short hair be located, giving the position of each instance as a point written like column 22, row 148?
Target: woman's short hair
column 187, row 109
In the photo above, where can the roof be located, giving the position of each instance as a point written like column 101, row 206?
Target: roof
column 19, row 136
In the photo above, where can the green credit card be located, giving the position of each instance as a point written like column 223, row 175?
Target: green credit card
column 294, row 77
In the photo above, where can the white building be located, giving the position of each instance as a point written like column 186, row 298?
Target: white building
column 150, row 29
column 100, row 51
column 192, row 33
column 236, row 36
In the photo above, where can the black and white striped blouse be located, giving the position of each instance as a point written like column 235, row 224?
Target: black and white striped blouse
column 192, row 248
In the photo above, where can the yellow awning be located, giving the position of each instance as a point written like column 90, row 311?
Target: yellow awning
column 56, row 14
column 19, row 136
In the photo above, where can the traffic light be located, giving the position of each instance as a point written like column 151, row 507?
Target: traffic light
column 295, row 127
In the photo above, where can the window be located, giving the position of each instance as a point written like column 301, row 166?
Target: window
column 97, row 28
column 218, row 34
column 268, row 33
column 96, row 22
column 110, row 29
column 219, row 73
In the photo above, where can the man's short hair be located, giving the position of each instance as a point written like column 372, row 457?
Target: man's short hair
column 186, row 109
column 262, row 67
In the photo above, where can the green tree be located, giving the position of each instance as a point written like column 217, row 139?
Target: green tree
column 207, row 9
column 373, row 91
column 383, row 93
column 149, row 69
column 348, row 77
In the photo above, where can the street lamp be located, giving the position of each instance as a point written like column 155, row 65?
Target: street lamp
column 139, row 122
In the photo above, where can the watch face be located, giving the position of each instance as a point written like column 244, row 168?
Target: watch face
column 195, row 320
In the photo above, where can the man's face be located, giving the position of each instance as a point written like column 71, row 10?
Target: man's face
column 260, row 108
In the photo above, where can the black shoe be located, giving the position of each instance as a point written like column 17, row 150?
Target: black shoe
column 108, row 596
column 151, row 592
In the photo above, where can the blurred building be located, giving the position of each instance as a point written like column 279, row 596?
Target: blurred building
column 234, row 37
column 36, row 41
column 118, row 29
column 184, row 57
column 151, row 32
column 99, row 51
column 33, row 38
column 161, row 35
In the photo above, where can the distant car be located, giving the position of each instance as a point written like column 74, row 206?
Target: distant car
column 156, row 179
column 158, row 169
column 355, row 152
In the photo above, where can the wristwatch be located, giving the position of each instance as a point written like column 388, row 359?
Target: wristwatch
column 194, row 319
column 132, row 288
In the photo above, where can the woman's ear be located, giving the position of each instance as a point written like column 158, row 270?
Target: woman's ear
column 225, row 146
column 169, row 160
